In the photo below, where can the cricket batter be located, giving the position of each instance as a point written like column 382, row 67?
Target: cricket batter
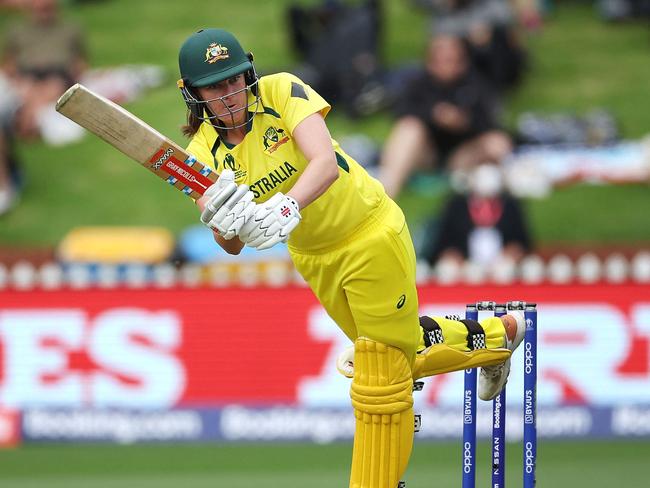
column 284, row 179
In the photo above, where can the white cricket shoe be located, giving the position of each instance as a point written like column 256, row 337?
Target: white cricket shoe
column 493, row 378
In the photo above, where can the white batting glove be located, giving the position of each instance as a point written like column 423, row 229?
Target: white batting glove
column 272, row 222
column 229, row 207
column 219, row 192
column 233, row 214
column 345, row 362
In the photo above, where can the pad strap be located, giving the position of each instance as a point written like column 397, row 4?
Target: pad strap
column 432, row 331
column 475, row 335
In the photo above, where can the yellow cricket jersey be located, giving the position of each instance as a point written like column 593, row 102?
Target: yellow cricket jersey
column 270, row 161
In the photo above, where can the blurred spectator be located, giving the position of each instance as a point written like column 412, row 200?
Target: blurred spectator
column 7, row 192
column 11, row 4
column 8, row 167
column 338, row 43
column 530, row 12
column 619, row 10
column 486, row 225
column 43, row 56
column 446, row 117
column 490, row 29
column 596, row 127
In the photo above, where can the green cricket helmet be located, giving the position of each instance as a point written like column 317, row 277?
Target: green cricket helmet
column 210, row 56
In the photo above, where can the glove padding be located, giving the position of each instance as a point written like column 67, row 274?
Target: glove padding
column 271, row 223
column 345, row 362
column 229, row 207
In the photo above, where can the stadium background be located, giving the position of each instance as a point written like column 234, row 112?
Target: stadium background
column 232, row 384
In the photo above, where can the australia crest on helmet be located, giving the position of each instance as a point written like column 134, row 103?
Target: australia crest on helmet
column 215, row 52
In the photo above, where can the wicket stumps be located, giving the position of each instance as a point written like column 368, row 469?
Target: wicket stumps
column 499, row 404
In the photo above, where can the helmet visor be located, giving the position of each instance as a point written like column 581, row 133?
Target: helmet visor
column 219, row 110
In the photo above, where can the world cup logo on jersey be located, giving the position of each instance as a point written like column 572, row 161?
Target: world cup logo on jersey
column 215, row 52
column 230, row 163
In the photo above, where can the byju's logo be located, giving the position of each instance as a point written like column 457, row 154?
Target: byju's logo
column 468, row 417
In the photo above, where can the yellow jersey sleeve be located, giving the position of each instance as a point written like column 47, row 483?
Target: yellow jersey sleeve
column 200, row 146
column 295, row 100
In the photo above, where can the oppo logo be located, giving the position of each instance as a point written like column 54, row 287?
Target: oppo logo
column 529, row 458
column 528, row 358
column 467, row 457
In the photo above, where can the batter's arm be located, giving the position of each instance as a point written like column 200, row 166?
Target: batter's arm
column 315, row 142
column 233, row 246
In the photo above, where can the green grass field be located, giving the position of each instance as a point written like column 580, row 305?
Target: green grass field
column 577, row 62
column 560, row 464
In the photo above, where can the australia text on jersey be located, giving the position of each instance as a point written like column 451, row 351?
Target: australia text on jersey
column 275, row 177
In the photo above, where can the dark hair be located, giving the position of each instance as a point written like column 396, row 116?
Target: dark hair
column 192, row 126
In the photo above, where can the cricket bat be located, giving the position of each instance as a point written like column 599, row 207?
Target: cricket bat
column 133, row 137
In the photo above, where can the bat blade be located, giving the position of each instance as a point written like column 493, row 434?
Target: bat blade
column 136, row 139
